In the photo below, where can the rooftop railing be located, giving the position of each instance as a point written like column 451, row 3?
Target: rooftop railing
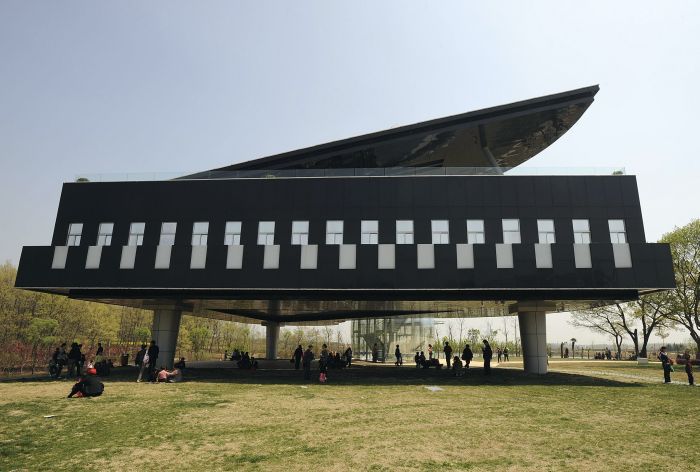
column 350, row 172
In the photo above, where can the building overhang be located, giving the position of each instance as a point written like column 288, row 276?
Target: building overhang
column 503, row 137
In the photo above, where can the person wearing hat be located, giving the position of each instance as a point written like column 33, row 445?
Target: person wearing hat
column 87, row 386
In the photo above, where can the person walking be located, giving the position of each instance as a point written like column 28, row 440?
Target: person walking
column 399, row 357
column 488, row 354
column 666, row 364
column 499, row 353
column 448, row 353
column 153, row 351
column 375, row 352
column 298, row 354
column 73, row 360
column 306, row 362
column 467, row 356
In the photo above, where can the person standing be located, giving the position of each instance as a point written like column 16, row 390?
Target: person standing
column 505, row 354
column 348, row 356
column 375, row 352
column 666, row 364
column 448, row 353
column 306, row 362
column 399, row 357
column 73, row 360
column 100, row 350
column 430, row 352
column 467, row 356
column 153, row 351
column 298, row 354
column 499, row 353
column 689, row 370
column 488, row 354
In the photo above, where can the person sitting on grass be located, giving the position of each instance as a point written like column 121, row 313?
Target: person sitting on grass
column 87, row 385
column 457, row 367
column 421, row 360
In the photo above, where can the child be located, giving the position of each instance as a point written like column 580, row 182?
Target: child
column 689, row 371
column 323, row 368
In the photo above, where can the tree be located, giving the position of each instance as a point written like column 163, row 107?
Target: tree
column 40, row 334
column 682, row 305
column 602, row 320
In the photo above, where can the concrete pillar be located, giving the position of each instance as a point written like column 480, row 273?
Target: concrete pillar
column 532, row 317
column 272, row 334
column 166, row 325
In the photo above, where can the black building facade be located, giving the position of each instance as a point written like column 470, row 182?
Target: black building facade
column 416, row 220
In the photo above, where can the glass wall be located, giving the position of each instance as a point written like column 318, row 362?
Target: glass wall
column 410, row 333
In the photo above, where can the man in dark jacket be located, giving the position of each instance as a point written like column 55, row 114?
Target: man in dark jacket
column 308, row 357
column 666, row 364
column 488, row 354
column 448, row 353
column 153, row 351
column 467, row 356
column 298, row 354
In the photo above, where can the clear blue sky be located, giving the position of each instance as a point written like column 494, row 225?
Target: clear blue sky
column 98, row 87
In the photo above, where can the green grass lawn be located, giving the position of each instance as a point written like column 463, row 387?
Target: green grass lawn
column 582, row 416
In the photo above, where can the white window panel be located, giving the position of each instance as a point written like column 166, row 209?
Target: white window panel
column 545, row 229
column 475, row 232
column 232, row 234
column 167, row 234
column 511, row 231
column 104, row 234
column 200, row 233
column 300, row 233
column 334, row 232
column 404, row 231
column 136, row 231
column 582, row 232
column 75, row 231
column 440, row 231
column 370, row 232
column 617, row 231
column 266, row 233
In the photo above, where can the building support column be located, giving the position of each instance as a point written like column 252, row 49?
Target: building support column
column 532, row 317
column 166, row 325
column 272, row 335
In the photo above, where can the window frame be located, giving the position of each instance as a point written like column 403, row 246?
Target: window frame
column 402, row 236
column 617, row 236
column 233, row 237
column 369, row 235
column 136, row 237
column 75, row 234
column 511, row 232
column 163, row 234
column 201, row 237
column 443, row 236
column 581, row 237
column 266, row 238
column 104, row 238
column 300, row 236
column 547, row 233
column 476, row 234
column 335, row 237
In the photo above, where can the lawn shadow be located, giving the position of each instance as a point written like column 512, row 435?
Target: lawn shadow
column 367, row 375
